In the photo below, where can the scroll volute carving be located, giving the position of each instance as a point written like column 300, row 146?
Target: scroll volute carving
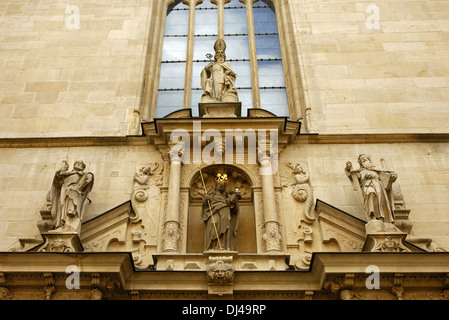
column 145, row 178
column 297, row 178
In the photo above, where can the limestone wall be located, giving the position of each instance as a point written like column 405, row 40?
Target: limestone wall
column 60, row 82
column 361, row 79
column 423, row 177
column 60, row 78
column 26, row 176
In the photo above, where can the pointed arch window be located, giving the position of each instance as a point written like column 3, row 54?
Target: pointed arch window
column 250, row 30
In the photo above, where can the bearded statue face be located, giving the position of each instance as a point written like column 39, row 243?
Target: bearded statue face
column 220, row 56
column 79, row 166
column 365, row 161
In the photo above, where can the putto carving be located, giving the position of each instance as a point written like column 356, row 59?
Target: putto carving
column 299, row 180
column 145, row 177
column 374, row 187
column 389, row 245
column 57, row 245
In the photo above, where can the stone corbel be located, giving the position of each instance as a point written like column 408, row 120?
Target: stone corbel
column 135, row 295
column 5, row 293
column 308, row 295
column 398, row 288
column 49, row 287
column 220, row 275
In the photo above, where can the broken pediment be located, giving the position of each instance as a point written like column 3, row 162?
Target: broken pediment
column 346, row 233
column 340, row 230
column 117, row 231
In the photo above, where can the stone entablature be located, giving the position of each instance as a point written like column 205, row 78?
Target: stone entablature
column 331, row 276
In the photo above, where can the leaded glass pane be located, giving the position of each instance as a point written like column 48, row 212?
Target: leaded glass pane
column 177, row 21
column 246, row 97
column 237, row 47
column 271, row 73
column 172, row 76
column 243, row 71
column 206, row 22
column 264, row 18
column 174, row 49
column 275, row 101
column 168, row 102
column 267, row 47
column 203, row 46
column 235, row 21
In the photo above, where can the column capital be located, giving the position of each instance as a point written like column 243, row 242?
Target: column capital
column 176, row 152
column 246, row 2
column 220, row 2
column 193, row 3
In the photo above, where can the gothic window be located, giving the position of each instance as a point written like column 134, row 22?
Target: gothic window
column 253, row 50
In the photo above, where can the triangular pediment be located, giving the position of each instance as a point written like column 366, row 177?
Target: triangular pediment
column 349, row 233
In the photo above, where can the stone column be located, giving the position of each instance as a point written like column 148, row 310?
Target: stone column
column 220, row 4
column 171, row 237
column 158, row 10
column 287, row 42
column 189, row 60
column 252, row 52
column 271, row 235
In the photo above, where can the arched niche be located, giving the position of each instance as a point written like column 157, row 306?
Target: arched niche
column 237, row 178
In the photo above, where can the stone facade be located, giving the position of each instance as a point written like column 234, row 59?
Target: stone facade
column 87, row 92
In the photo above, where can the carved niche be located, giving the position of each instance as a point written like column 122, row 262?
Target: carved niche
column 236, row 179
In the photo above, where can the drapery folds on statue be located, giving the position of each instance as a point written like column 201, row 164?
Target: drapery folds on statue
column 218, row 78
column 374, row 186
column 220, row 213
column 69, row 192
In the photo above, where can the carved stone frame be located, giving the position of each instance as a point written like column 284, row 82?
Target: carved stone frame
column 289, row 51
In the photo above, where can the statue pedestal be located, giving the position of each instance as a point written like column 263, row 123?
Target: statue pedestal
column 240, row 261
column 61, row 242
column 384, row 237
column 385, row 242
column 220, row 109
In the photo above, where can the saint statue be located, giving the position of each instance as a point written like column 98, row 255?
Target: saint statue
column 220, row 213
column 68, row 195
column 374, row 186
column 218, row 79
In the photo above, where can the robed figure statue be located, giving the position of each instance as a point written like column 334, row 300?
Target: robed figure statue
column 218, row 79
column 220, row 213
column 69, row 192
column 374, row 186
